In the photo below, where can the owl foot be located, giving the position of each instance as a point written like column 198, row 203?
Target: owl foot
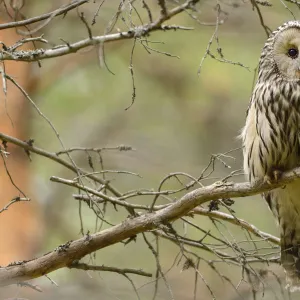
column 274, row 176
column 277, row 175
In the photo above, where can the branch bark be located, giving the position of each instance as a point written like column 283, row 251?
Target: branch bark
column 64, row 255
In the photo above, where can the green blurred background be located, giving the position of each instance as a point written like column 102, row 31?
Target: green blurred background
column 177, row 121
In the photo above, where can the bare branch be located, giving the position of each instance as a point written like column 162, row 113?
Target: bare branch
column 60, row 50
column 236, row 221
column 119, row 148
column 261, row 19
column 163, row 7
column 54, row 157
column 83, row 266
column 64, row 255
column 57, row 12
column 11, row 202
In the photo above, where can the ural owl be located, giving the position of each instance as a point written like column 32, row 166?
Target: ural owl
column 271, row 137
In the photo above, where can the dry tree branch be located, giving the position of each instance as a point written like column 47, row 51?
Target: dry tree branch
column 233, row 220
column 60, row 50
column 163, row 6
column 96, row 14
column 261, row 19
column 286, row 7
column 86, row 267
column 210, row 41
column 53, row 156
column 97, row 150
column 11, row 202
column 197, row 211
column 64, row 255
column 117, row 201
column 147, row 8
column 9, row 175
column 55, row 13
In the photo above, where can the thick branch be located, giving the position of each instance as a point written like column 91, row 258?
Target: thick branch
column 64, row 255
column 39, row 54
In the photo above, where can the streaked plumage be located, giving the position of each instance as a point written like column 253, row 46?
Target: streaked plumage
column 271, row 137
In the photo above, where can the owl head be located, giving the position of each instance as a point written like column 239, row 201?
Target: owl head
column 281, row 53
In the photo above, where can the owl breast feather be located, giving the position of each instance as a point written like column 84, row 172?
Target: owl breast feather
column 271, row 133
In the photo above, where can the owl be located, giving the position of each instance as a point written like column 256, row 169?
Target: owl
column 271, row 137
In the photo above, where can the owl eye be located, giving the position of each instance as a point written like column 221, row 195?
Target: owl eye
column 293, row 52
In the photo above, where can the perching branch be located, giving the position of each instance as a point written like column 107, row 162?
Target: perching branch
column 64, row 255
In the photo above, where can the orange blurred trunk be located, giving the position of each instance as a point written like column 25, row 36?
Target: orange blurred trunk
column 20, row 224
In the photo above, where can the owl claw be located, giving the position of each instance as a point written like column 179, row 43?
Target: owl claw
column 277, row 174
column 267, row 179
column 273, row 177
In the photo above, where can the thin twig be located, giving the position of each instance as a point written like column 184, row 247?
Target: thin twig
column 86, row 267
column 11, row 202
column 57, row 12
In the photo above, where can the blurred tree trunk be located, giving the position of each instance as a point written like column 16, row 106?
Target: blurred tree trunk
column 20, row 225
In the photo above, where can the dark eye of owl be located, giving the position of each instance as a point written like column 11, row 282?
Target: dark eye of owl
column 293, row 52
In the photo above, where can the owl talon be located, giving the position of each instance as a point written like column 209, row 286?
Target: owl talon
column 274, row 177
column 267, row 179
column 277, row 174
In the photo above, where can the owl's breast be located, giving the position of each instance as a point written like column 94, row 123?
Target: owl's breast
column 271, row 135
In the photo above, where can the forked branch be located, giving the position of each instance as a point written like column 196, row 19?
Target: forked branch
column 65, row 255
column 137, row 32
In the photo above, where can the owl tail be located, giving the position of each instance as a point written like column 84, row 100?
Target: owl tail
column 290, row 260
column 285, row 205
